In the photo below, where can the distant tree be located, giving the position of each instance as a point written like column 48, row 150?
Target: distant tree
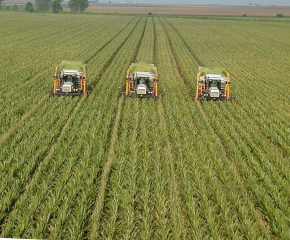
column 7, row 8
column 1, row 1
column 150, row 13
column 279, row 15
column 43, row 5
column 56, row 6
column 78, row 5
column 29, row 7
column 15, row 7
column 244, row 15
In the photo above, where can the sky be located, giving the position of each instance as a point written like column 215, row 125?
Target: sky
column 205, row 2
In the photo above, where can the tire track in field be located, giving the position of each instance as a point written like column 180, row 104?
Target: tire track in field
column 45, row 70
column 106, row 171
column 27, row 114
column 46, row 47
column 176, row 201
column 96, row 214
column 185, row 81
column 109, row 41
column 60, row 137
column 87, row 60
column 231, row 164
column 4, row 136
column 41, row 72
column 69, row 120
column 115, row 53
column 34, row 173
column 254, row 122
column 169, row 153
column 107, row 167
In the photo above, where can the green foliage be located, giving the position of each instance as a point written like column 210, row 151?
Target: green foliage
column 104, row 167
column 43, row 5
column 279, row 15
column 78, row 5
column 78, row 65
column 213, row 70
column 15, row 7
column 142, row 67
column 56, row 6
column 29, row 7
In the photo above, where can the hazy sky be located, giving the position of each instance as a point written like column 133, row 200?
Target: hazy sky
column 204, row 2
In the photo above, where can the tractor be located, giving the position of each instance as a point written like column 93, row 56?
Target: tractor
column 142, row 81
column 70, row 78
column 213, row 84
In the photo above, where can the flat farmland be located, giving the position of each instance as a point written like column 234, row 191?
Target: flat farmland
column 105, row 167
column 190, row 9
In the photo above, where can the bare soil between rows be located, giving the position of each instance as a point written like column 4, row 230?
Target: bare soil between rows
column 195, row 10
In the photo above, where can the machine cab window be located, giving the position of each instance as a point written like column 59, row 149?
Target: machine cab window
column 142, row 80
column 212, row 84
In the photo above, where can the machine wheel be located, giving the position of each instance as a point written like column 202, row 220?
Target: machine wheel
column 232, row 99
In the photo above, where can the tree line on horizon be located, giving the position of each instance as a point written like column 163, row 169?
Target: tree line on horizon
column 54, row 5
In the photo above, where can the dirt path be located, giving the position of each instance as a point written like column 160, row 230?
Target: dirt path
column 51, row 151
column 111, row 156
column 105, row 175
column 175, row 196
column 220, row 143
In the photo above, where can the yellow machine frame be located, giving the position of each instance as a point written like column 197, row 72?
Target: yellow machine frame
column 200, row 87
column 130, row 83
column 83, row 81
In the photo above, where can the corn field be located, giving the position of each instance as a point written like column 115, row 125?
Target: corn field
column 106, row 167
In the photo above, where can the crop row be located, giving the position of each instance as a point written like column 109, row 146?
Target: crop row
column 139, row 200
column 245, row 147
column 30, row 92
column 104, row 167
column 56, row 148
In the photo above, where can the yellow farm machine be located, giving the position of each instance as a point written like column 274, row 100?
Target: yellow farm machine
column 70, row 78
column 213, row 84
column 142, row 81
